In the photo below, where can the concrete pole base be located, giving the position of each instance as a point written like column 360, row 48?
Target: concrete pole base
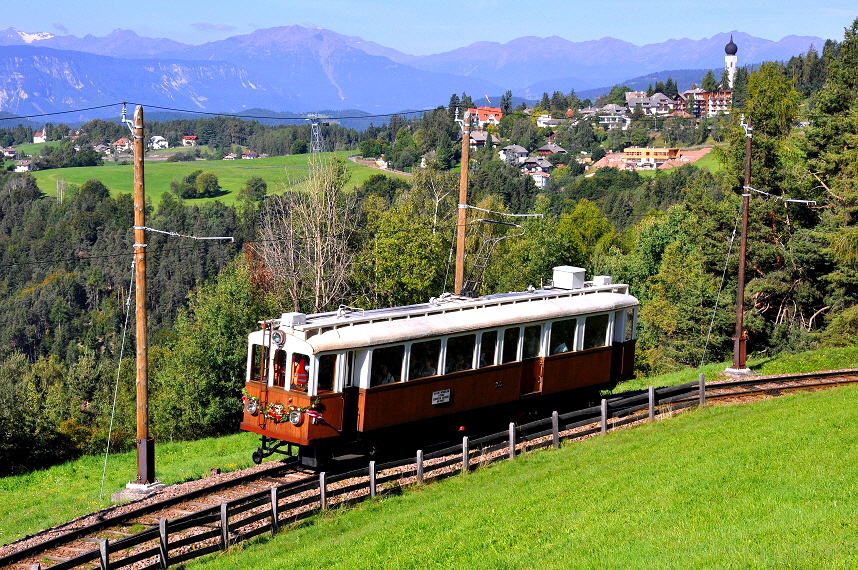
column 740, row 372
column 136, row 491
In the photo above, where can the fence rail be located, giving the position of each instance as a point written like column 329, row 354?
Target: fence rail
column 176, row 541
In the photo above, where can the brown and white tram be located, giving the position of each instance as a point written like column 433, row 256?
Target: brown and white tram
column 327, row 381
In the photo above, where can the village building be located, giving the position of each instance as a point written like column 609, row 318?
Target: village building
column 122, row 145
column 24, row 166
column 479, row 139
column 549, row 149
column 646, row 158
column 486, row 116
column 189, row 140
column 158, row 142
column 513, row 151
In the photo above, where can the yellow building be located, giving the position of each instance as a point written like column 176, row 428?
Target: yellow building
column 648, row 158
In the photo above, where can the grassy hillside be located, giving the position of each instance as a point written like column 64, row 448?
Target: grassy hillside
column 42, row 499
column 278, row 172
column 74, row 486
column 764, row 485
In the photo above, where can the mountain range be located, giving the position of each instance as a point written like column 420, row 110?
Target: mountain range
column 300, row 69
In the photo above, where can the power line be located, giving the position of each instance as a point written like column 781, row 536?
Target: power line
column 213, row 114
column 245, row 116
column 57, row 112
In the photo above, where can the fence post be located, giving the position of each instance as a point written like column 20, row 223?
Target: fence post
column 604, row 416
column 104, row 553
column 164, row 543
column 224, row 526
column 702, row 389
column 651, row 403
column 372, row 478
column 511, row 440
column 323, row 490
column 419, row 465
column 555, row 429
column 275, row 514
column 466, row 455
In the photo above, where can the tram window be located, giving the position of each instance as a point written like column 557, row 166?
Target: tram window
column 532, row 335
column 327, row 372
column 280, row 368
column 510, row 345
column 630, row 325
column 386, row 365
column 595, row 331
column 460, row 353
column 258, row 359
column 300, row 372
column 424, row 359
column 488, row 344
column 563, row 336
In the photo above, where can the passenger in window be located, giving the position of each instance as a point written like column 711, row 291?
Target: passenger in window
column 425, row 369
column 385, row 377
column 300, row 374
column 560, row 348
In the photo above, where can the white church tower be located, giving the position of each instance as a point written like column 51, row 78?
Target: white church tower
column 730, row 61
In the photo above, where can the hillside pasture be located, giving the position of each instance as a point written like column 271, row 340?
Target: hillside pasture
column 279, row 172
column 763, row 485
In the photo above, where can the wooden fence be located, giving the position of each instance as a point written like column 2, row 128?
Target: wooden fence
column 179, row 540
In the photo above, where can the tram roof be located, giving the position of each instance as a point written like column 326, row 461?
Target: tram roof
column 347, row 329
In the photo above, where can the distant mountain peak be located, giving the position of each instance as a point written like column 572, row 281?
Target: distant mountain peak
column 30, row 38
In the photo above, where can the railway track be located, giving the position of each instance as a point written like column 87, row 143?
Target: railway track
column 82, row 535
column 770, row 386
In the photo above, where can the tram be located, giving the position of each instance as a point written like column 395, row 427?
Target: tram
column 350, row 380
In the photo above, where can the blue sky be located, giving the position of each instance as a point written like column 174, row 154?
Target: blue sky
column 423, row 27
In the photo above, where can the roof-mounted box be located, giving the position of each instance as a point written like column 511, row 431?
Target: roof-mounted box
column 568, row 277
column 293, row 319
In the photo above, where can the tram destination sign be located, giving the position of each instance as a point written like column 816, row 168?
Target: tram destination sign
column 440, row 397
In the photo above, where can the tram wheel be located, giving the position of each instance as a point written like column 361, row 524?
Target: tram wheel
column 257, row 456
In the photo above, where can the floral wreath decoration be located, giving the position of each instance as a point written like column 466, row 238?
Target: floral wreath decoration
column 278, row 412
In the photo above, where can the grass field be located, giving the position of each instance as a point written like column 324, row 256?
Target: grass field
column 764, row 485
column 279, row 172
column 45, row 498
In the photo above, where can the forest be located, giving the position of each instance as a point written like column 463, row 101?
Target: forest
column 66, row 278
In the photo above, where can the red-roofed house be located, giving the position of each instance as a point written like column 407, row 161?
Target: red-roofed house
column 40, row 137
column 122, row 145
column 189, row 140
column 487, row 115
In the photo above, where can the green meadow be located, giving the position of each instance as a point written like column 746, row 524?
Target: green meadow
column 279, row 172
column 40, row 499
column 765, row 485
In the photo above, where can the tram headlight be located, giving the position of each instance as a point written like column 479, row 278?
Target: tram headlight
column 296, row 418
column 253, row 406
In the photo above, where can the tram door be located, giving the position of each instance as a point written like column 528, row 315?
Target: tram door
column 532, row 365
column 350, row 394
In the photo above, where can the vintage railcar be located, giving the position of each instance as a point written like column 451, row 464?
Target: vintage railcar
column 335, row 382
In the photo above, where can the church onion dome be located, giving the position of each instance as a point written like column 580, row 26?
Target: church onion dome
column 731, row 48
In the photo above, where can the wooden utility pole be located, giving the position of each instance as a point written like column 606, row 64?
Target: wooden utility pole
column 740, row 339
column 463, row 200
column 145, row 444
